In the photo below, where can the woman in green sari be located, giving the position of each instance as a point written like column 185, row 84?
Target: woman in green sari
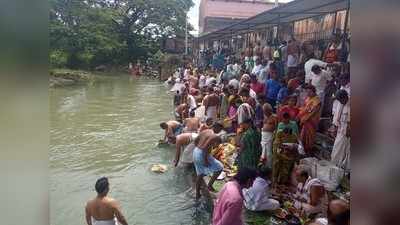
column 249, row 146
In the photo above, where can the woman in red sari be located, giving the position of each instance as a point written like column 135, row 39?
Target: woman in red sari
column 309, row 116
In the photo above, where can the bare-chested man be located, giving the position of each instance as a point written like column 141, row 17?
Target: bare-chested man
column 181, row 112
column 172, row 129
column 192, row 123
column 182, row 141
column 204, row 163
column 211, row 103
column 269, row 126
column 103, row 210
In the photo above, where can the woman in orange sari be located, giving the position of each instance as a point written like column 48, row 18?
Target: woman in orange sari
column 309, row 116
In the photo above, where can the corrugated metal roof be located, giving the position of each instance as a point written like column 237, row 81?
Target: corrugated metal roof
column 292, row 11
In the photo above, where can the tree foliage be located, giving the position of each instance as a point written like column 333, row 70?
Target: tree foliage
column 87, row 33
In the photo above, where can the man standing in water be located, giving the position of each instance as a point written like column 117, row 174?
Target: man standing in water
column 103, row 210
column 204, row 163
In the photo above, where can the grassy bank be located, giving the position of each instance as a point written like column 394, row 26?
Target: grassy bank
column 68, row 77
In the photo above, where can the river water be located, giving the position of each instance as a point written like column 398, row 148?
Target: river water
column 111, row 128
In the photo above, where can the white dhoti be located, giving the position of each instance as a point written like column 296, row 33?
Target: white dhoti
column 341, row 152
column 212, row 112
column 266, row 144
column 264, row 204
column 104, row 222
column 187, row 154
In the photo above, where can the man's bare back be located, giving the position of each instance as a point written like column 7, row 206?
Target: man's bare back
column 103, row 209
column 207, row 139
column 211, row 100
column 192, row 124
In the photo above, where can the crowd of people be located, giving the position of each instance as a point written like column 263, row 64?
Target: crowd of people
column 248, row 120
column 268, row 103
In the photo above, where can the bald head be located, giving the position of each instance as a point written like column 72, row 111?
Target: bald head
column 267, row 108
column 338, row 212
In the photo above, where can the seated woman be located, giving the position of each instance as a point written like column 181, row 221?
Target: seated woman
column 310, row 195
column 257, row 197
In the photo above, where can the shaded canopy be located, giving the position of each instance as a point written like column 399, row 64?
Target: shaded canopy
column 290, row 12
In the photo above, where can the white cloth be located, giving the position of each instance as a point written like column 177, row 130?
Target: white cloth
column 266, row 144
column 245, row 112
column 223, row 135
column 293, row 60
column 235, row 83
column 236, row 70
column 104, row 222
column 304, row 191
column 212, row 112
column 309, row 64
column 187, row 153
column 336, row 103
column 253, row 94
column 191, row 102
column 262, row 77
column 211, row 80
column 321, row 221
column 319, row 81
column 256, row 198
column 257, row 69
column 341, row 148
column 202, row 81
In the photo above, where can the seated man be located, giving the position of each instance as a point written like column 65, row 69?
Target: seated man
column 257, row 197
column 192, row 123
column 172, row 129
column 310, row 195
column 182, row 143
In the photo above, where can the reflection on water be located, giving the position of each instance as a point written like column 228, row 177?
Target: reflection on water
column 111, row 129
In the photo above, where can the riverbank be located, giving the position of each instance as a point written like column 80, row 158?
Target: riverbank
column 67, row 77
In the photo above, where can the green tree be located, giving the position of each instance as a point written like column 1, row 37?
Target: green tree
column 84, row 34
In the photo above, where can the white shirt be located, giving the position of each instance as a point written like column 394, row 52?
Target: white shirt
column 234, row 83
column 236, row 70
column 253, row 94
column 309, row 64
column 192, row 102
column 256, row 70
column 256, row 193
column 320, row 80
column 202, row 81
column 210, row 80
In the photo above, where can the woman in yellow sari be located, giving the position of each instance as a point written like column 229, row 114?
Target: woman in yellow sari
column 309, row 116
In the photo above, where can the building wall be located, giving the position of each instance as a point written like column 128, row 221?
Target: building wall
column 229, row 10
